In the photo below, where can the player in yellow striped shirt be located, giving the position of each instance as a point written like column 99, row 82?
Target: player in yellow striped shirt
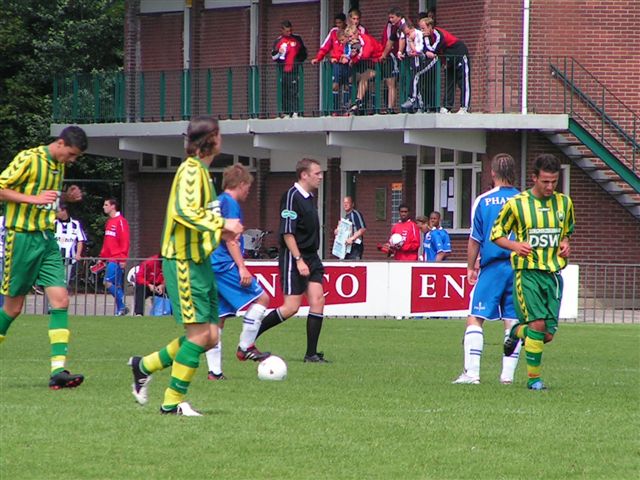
column 192, row 230
column 31, row 187
column 542, row 221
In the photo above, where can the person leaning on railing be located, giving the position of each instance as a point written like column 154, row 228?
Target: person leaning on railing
column 439, row 41
column 365, row 52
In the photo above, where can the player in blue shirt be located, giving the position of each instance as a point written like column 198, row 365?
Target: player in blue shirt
column 436, row 244
column 237, row 288
column 491, row 298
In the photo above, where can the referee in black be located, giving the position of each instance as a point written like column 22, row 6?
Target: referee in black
column 301, row 269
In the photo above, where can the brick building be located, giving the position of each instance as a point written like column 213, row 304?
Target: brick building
column 581, row 56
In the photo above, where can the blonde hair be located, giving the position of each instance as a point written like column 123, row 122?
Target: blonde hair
column 234, row 175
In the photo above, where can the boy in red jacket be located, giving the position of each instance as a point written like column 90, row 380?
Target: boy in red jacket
column 115, row 250
column 289, row 52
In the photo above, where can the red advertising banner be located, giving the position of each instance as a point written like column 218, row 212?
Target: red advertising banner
column 342, row 284
column 439, row 289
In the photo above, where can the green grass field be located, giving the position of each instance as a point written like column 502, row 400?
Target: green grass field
column 383, row 409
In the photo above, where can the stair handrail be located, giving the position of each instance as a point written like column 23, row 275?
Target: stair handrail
column 570, row 83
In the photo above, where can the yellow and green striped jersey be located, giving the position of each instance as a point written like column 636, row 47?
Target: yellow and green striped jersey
column 542, row 223
column 31, row 172
column 193, row 224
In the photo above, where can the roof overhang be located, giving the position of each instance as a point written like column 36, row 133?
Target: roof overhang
column 323, row 136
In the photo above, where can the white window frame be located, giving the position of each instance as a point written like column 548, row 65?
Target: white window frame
column 276, row 2
column 161, row 6
column 155, row 168
column 216, row 4
column 439, row 167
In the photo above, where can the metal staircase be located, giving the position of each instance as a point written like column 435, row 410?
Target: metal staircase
column 601, row 141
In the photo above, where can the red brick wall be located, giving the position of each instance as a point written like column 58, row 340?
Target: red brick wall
column 161, row 42
column 153, row 192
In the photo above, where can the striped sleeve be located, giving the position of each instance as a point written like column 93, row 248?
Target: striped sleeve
column 17, row 171
column 189, row 201
column 504, row 223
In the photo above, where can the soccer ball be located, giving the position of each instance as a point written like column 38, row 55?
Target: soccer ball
column 272, row 368
column 396, row 240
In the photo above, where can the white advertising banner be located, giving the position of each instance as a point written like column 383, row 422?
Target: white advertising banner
column 398, row 289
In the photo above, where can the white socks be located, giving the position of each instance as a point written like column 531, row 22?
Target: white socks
column 214, row 356
column 473, row 345
column 251, row 324
column 509, row 364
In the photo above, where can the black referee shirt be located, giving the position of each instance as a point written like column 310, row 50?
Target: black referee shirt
column 299, row 217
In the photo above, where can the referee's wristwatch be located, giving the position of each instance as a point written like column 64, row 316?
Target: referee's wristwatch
column 296, row 258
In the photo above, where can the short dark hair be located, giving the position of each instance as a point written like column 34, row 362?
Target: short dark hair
column 286, row 24
column 113, row 201
column 304, row 165
column 403, row 205
column 395, row 11
column 340, row 16
column 74, row 136
column 547, row 162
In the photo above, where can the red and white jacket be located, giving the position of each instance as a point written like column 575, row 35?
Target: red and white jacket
column 411, row 233
column 331, row 45
column 294, row 47
column 370, row 50
column 116, row 239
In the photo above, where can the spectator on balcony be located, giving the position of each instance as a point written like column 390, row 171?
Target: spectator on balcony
column 333, row 45
column 354, row 19
column 431, row 13
column 365, row 52
column 71, row 240
column 421, row 68
column 393, row 43
column 288, row 52
column 149, row 282
column 438, row 41
column 115, row 250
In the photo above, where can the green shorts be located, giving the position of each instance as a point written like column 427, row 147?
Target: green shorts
column 538, row 295
column 192, row 290
column 30, row 258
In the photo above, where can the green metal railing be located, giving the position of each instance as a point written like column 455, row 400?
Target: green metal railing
column 263, row 91
column 603, row 115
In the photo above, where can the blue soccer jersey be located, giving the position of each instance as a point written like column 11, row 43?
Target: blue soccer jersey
column 434, row 242
column 221, row 259
column 484, row 213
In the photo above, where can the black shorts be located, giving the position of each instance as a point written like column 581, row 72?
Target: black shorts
column 292, row 282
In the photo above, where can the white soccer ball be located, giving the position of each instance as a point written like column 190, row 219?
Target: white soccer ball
column 396, row 240
column 272, row 368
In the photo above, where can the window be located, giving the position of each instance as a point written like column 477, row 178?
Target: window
column 449, row 181
column 163, row 163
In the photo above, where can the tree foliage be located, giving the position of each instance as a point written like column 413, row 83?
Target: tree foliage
column 42, row 38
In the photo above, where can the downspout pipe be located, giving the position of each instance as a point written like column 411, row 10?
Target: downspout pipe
column 525, row 56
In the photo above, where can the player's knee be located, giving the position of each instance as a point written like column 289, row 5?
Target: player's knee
column 548, row 337
column 263, row 300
